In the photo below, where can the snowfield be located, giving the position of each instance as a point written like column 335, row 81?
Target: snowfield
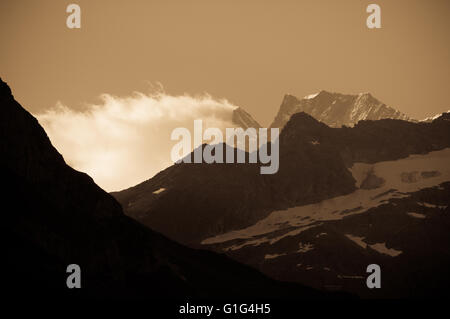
column 401, row 177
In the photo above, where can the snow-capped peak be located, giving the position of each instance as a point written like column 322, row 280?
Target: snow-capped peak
column 336, row 109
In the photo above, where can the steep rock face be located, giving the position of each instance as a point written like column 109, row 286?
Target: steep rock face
column 243, row 119
column 203, row 200
column 335, row 109
column 54, row 216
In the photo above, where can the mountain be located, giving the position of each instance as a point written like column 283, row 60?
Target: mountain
column 335, row 181
column 335, row 109
column 54, row 216
column 398, row 218
column 203, row 200
column 243, row 119
column 432, row 118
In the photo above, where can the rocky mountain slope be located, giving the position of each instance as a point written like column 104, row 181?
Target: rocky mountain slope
column 243, row 119
column 343, row 198
column 203, row 200
column 335, row 109
column 54, row 216
column 398, row 218
column 190, row 202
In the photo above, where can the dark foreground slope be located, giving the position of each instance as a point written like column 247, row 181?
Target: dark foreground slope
column 53, row 216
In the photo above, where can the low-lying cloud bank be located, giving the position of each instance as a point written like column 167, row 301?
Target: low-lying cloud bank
column 125, row 140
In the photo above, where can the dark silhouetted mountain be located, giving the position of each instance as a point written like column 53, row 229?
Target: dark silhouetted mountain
column 374, row 141
column 54, row 216
column 335, row 109
column 203, row 200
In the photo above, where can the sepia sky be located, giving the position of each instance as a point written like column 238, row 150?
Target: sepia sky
column 81, row 83
column 250, row 52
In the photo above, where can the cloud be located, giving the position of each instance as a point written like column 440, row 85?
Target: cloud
column 123, row 141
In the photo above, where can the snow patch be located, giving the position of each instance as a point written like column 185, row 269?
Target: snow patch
column 269, row 256
column 382, row 249
column 379, row 247
column 303, row 248
column 358, row 240
column 162, row 189
column 311, row 96
column 403, row 175
column 255, row 242
column 417, row 215
column 428, row 205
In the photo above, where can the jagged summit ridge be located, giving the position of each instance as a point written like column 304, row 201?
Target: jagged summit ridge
column 336, row 109
column 435, row 117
